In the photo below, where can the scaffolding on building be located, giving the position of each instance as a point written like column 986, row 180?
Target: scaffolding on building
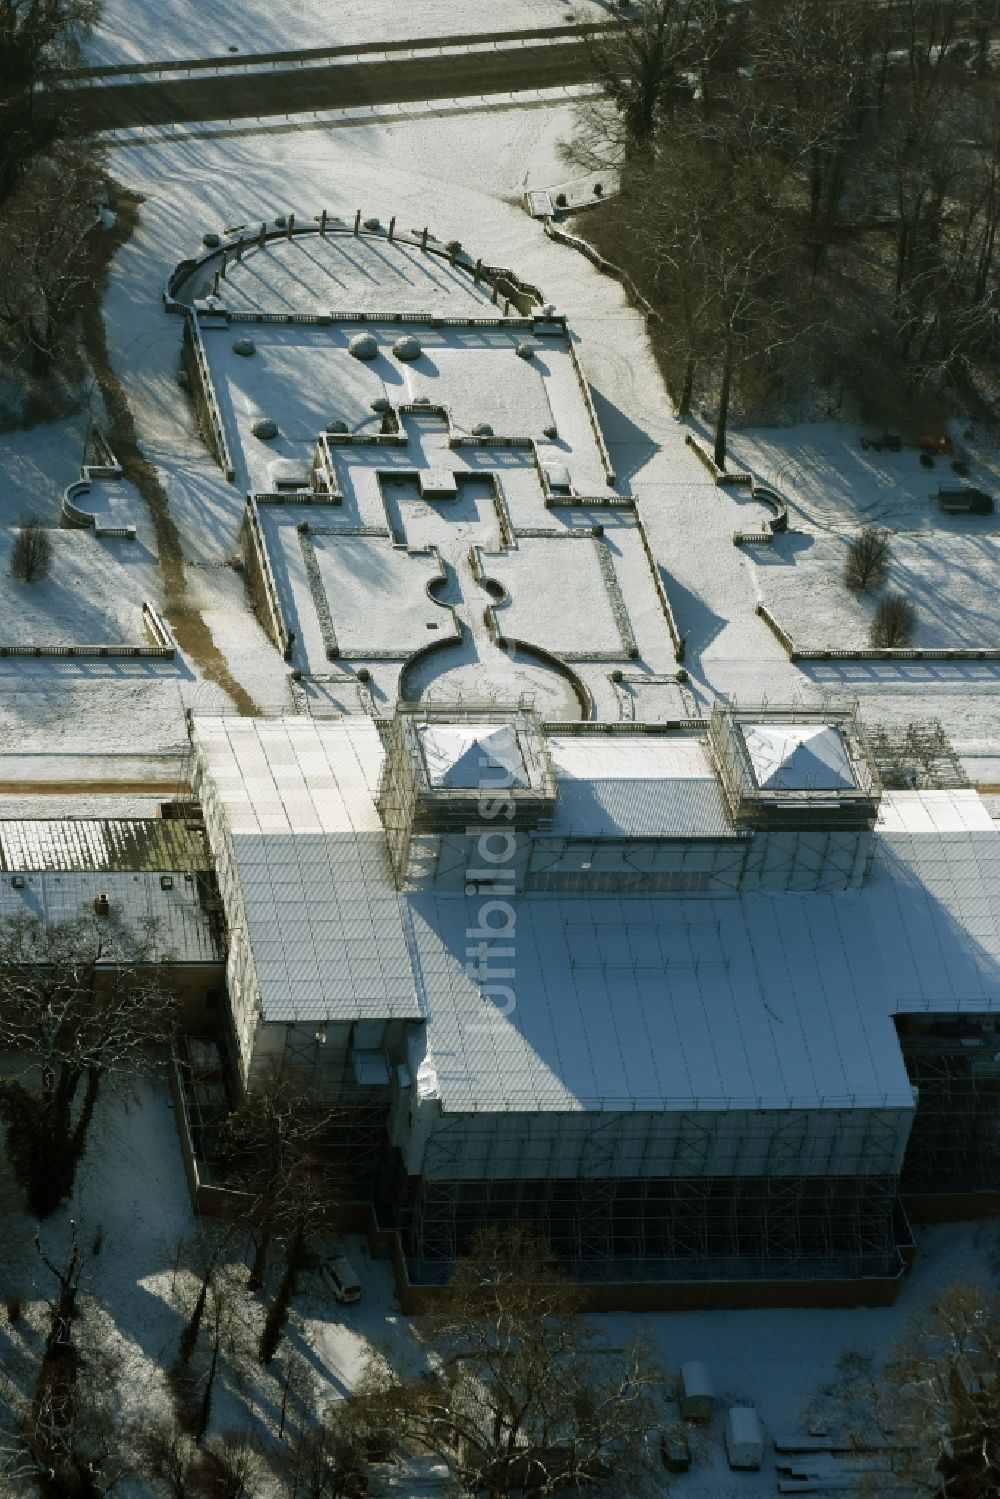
column 693, row 1224
column 954, row 1144
column 787, row 806
column 409, row 801
column 916, row 756
column 668, row 1228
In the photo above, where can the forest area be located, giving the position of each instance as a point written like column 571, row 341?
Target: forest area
column 809, row 199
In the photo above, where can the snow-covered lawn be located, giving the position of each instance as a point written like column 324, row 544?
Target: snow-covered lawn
column 832, row 482
column 144, row 30
column 950, row 581
column 92, row 594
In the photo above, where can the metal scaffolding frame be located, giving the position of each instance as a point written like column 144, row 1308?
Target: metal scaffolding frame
column 788, row 808
column 954, row 1144
column 667, row 1228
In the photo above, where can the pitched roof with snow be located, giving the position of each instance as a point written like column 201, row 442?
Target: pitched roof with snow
column 798, row 757
column 468, row 755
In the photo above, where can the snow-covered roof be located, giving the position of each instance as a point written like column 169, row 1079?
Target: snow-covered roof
column 136, row 843
column 754, row 1001
column 296, row 799
column 170, row 923
column 468, row 755
column 636, row 786
column 798, row 757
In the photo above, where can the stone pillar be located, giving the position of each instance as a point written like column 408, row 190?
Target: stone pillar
column 423, row 240
column 357, row 222
column 392, row 227
column 322, row 222
column 291, row 225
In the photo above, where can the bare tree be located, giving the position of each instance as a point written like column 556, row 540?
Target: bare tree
column 82, row 1004
column 525, row 1393
column 38, row 39
column 272, row 1148
column 31, row 555
column 867, row 564
column 60, row 1438
column 647, row 58
column 892, row 624
column 43, row 272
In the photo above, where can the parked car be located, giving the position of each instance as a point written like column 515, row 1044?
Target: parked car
column 962, row 499
column 339, row 1275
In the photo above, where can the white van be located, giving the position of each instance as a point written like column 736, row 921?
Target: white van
column 339, row 1275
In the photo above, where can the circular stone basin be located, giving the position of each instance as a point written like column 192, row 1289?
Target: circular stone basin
column 525, row 350
column 337, row 427
column 244, row 346
column 482, row 429
column 265, row 429
column 407, row 348
column 363, row 346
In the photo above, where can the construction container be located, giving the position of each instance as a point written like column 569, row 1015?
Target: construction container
column 697, row 1395
column 744, row 1438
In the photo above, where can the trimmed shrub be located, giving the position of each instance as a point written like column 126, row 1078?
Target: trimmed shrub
column 32, row 555
column 867, row 564
column 892, row 626
column 244, row 347
column 265, row 429
column 364, row 346
column 407, row 348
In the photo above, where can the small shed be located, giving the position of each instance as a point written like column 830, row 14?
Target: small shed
column 697, row 1394
column 744, row 1438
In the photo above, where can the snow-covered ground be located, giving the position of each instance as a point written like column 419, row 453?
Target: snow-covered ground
column 156, row 30
column 950, row 581
column 832, row 483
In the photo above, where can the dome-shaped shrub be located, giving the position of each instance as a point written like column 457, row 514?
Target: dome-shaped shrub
column 363, row 346
column 244, row 346
column 265, row 429
column 407, row 347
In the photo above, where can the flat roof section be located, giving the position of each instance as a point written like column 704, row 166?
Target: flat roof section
column 636, row 786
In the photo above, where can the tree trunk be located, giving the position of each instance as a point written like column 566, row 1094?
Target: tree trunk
column 722, row 419
column 258, row 1270
column 687, row 388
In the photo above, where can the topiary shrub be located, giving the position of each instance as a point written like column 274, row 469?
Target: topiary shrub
column 482, row 429
column 244, row 347
column 211, row 241
column 892, row 626
column 363, row 346
column 407, row 348
column 867, row 564
column 525, row 350
column 265, row 429
column 32, row 555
